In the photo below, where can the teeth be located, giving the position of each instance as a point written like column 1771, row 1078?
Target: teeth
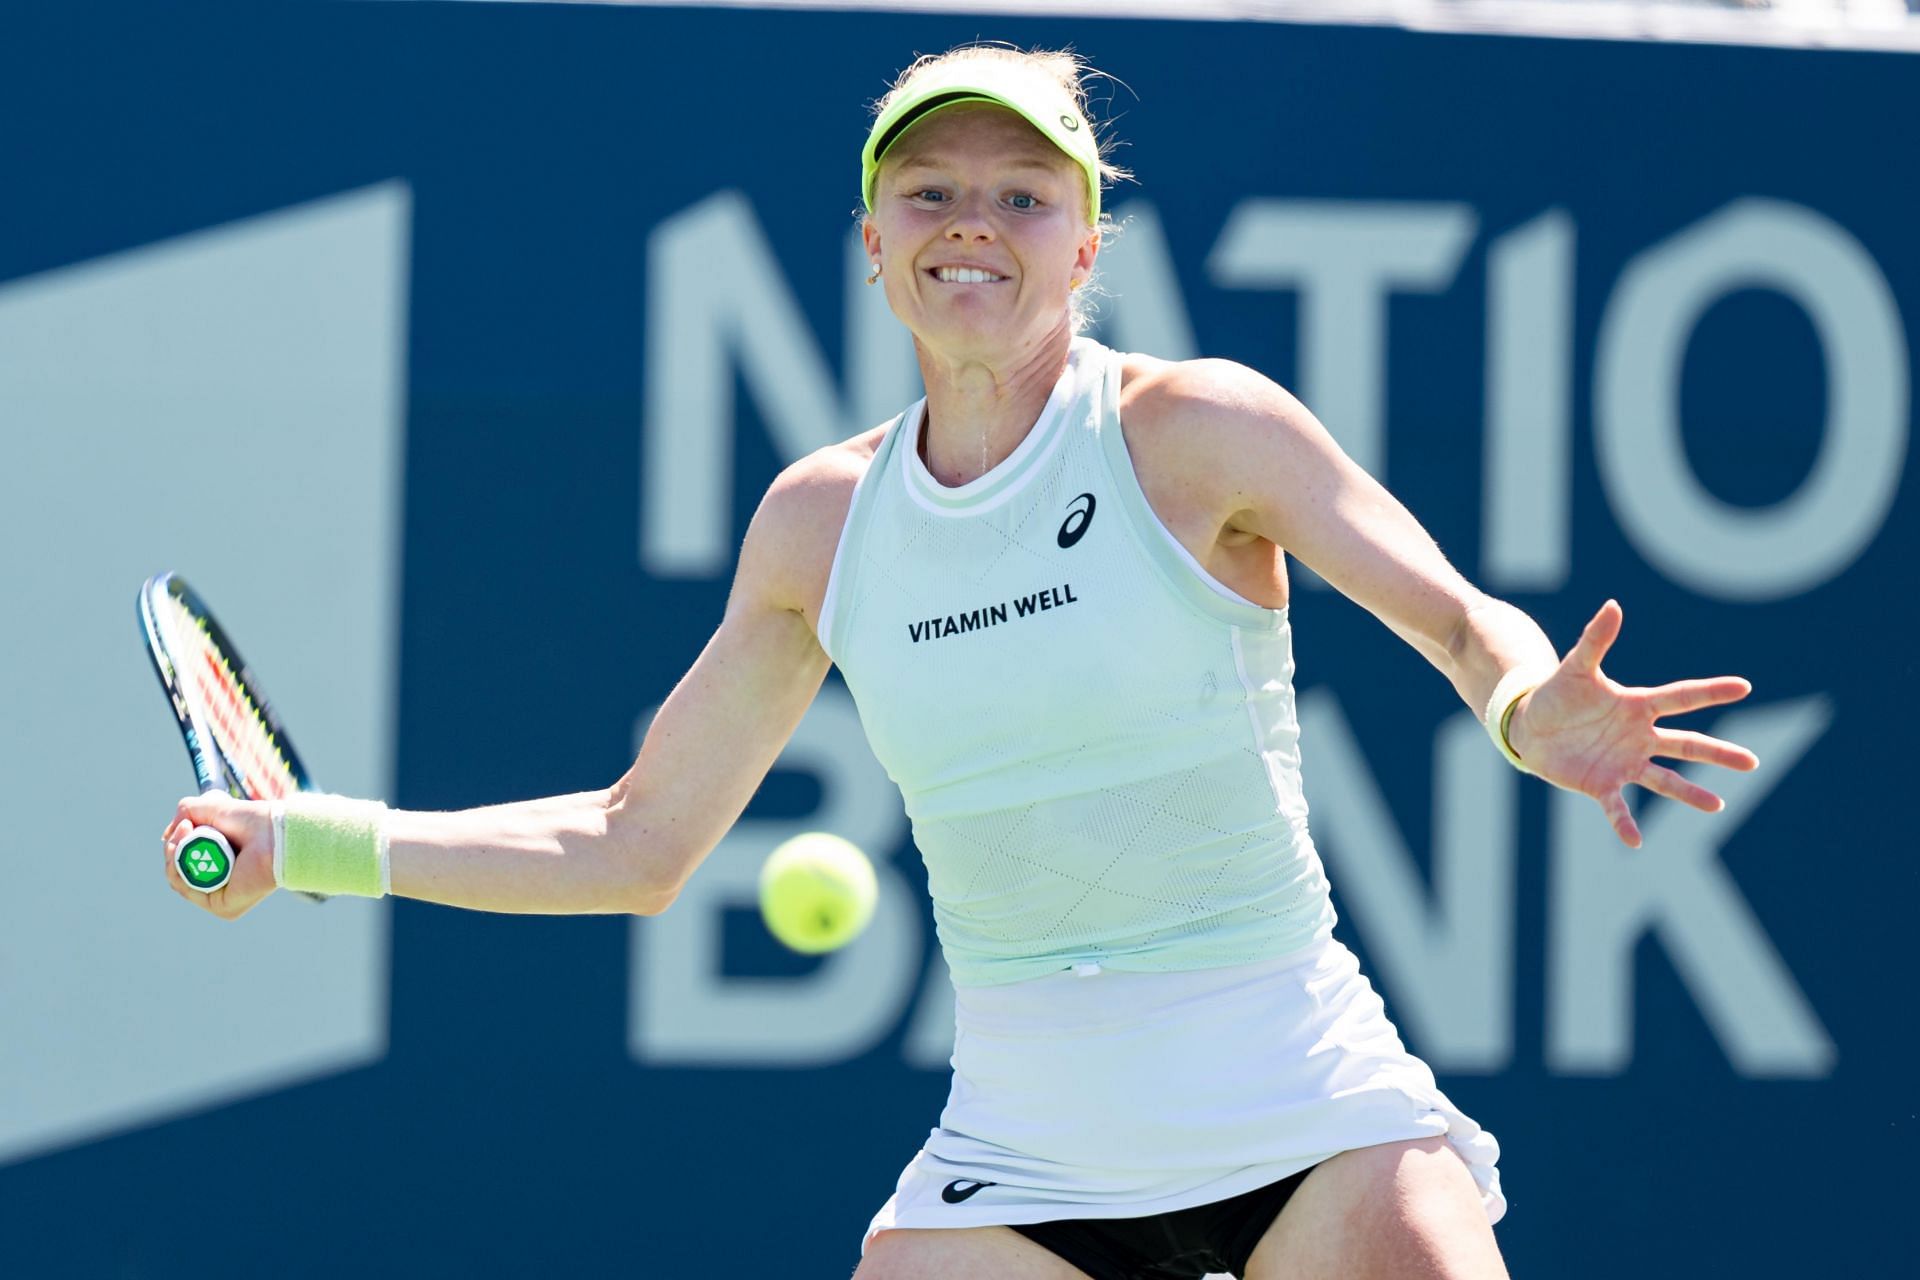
column 965, row 275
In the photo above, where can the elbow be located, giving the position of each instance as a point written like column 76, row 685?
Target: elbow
column 650, row 873
column 649, row 895
column 645, row 904
column 645, row 884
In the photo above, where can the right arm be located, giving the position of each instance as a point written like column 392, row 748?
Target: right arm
column 628, row 848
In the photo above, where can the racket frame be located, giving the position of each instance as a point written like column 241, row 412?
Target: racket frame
column 213, row 766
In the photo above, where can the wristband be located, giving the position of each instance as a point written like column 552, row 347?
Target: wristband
column 331, row 845
column 1513, row 686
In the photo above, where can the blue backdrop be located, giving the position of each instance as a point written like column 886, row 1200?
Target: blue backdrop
column 1613, row 320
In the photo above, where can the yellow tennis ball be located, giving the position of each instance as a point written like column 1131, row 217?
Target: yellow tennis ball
column 817, row 892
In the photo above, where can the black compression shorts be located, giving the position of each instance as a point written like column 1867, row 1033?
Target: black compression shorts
column 1183, row 1245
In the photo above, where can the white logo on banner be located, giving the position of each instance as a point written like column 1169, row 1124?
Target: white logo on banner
column 226, row 404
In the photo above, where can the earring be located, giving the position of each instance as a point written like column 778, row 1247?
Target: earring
column 1076, row 284
column 875, row 277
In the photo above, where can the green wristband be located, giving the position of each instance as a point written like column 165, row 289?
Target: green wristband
column 330, row 845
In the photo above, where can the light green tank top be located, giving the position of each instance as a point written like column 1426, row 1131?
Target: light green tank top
column 1095, row 739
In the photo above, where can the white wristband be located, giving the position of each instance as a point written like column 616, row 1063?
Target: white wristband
column 1513, row 686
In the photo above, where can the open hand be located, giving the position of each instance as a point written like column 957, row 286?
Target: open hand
column 1581, row 731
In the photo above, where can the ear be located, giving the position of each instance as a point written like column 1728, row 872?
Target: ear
column 870, row 237
column 1088, row 252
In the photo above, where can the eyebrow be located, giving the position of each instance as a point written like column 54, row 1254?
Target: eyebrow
column 931, row 162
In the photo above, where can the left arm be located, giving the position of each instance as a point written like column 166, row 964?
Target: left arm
column 1291, row 484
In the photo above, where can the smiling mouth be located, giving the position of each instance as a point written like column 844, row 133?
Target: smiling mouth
column 966, row 276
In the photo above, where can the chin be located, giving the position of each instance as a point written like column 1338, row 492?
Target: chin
column 972, row 336
column 962, row 338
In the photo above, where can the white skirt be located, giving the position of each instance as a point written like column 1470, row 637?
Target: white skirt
column 1106, row 1094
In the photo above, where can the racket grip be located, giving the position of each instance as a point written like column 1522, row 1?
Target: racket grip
column 205, row 859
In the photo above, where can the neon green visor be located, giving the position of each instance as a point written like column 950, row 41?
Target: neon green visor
column 1044, row 103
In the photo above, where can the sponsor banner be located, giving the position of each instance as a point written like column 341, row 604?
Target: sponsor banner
column 505, row 316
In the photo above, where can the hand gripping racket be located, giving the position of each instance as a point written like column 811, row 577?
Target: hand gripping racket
column 232, row 735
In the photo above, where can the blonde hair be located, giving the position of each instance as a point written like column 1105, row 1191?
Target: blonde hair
column 1072, row 72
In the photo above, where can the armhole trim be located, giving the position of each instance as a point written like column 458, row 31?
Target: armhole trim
column 828, row 634
column 1188, row 578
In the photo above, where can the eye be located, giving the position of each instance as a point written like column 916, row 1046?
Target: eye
column 1018, row 196
column 929, row 193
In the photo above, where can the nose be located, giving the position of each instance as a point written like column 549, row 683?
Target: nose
column 971, row 222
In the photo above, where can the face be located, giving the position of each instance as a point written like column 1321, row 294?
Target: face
column 976, row 186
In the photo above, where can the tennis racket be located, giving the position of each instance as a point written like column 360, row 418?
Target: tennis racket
column 232, row 735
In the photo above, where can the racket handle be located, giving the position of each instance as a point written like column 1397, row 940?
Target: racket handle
column 205, row 859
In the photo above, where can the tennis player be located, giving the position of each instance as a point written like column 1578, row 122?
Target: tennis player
column 1056, row 589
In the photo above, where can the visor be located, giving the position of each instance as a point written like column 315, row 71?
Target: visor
column 1043, row 102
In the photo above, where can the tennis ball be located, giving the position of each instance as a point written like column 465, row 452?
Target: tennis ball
column 817, row 892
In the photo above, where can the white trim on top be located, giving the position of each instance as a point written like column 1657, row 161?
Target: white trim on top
column 1031, row 454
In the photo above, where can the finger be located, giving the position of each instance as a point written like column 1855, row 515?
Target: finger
column 1614, row 803
column 1665, row 782
column 1683, row 744
column 1691, row 695
column 1597, row 638
column 205, row 808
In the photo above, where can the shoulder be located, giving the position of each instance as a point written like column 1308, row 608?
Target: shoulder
column 1208, row 394
column 812, row 495
column 790, row 544
column 1185, row 418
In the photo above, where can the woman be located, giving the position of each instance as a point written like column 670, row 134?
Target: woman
column 1056, row 589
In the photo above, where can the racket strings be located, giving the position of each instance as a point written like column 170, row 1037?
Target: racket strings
column 236, row 723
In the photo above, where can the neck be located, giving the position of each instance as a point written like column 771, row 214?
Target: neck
column 979, row 408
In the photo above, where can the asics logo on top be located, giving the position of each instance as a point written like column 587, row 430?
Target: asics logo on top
column 960, row 1188
column 1077, row 521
